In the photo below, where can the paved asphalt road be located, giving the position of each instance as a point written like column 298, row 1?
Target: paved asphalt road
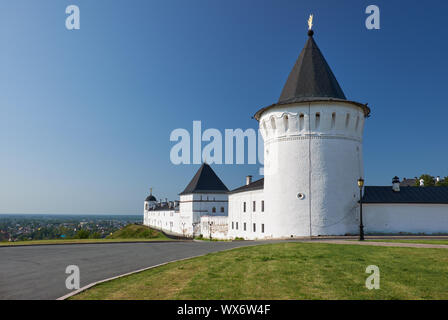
column 38, row 272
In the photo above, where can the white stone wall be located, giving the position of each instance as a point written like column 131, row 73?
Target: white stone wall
column 191, row 208
column 194, row 206
column 314, row 149
column 218, row 229
column 238, row 218
column 166, row 220
column 405, row 218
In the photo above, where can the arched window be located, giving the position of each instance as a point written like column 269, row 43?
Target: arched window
column 333, row 120
column 214, row 210
column 301, row 121
column 285, row 122
column 265, row 128
column 273, row 123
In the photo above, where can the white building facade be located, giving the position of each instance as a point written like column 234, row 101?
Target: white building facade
column 205, row 196
column 313, row 158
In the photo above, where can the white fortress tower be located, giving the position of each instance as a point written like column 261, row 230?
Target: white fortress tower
column 313, row 153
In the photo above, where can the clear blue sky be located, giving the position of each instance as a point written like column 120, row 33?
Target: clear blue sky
column 85, row 116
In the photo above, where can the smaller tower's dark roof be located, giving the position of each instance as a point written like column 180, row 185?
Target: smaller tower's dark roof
column 205, row 181
column 373, row 194
column 150, row 198
column 256, row 185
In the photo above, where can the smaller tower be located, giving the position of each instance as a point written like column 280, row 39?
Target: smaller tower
column 396, row 184
column 150, row 201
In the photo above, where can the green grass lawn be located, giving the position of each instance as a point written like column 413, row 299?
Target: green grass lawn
column 289, row 271
column 130, row 233
column 423, row 241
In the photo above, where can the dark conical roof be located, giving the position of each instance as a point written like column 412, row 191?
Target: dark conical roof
column 205, row 181
column 311, row 77
column 151, row 198
column 311, row 80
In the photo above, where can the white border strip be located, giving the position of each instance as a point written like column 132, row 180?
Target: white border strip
column 144, row 269
column 123, row 275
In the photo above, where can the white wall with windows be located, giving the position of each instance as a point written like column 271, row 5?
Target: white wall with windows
column 165, row 220
column 247, row 216
column 185, row 220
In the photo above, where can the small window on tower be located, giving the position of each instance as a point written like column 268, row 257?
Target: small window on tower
column 253, row 206
column 285, row 122
column 317, row 120
column 262, row 205
column 347, row 120
column 244, row 206
column 214, row 210
column 273, row 123
column 333, row 120
column 222, row 209
column 301, row 121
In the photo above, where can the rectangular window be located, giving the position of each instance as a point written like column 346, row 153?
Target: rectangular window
column 232, row 225
column 244, row 206
column 255, row 229
column 244, row 226
column 262, row 205
column 237, row 226
column 262, row 228
column 253, row 206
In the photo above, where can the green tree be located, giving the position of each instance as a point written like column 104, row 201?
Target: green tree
column 427, row 179
column 95, row 235
column 82, row 234
column 443, row 183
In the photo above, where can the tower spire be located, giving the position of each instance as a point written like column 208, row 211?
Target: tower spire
column 310, row 22
column 310, row 25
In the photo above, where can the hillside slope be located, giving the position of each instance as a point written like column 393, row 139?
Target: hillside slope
column 134, row 231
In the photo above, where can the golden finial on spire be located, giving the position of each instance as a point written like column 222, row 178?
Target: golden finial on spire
column 310, row 22
column 150, row 190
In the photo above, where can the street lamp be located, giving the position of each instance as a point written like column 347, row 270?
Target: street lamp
column 361, row 227
column 210, row 223
column 194, row 224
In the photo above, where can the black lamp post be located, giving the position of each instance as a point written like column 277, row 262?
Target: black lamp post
column 194, row 225
column 210, row 223
column 361, row 227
